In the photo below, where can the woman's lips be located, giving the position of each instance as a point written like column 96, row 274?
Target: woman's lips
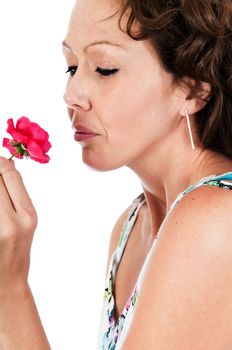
column 83, row 136
column 83, row 133
column 83, row 129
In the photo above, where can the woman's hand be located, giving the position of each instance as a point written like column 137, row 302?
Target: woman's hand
column 18, row 221
column 20, row 324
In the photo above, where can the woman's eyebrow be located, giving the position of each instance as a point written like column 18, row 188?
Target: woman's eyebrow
column 100, row 42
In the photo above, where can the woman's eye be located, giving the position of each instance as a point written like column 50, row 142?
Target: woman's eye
column 71, row 70
column 106, row 72
column 102, row 71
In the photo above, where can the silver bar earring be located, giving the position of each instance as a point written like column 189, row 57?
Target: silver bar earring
column 189, row 129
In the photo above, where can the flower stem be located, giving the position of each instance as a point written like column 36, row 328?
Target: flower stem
column 13, row 155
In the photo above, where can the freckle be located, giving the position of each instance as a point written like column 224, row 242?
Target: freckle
column 176, row 222
column 193, row 199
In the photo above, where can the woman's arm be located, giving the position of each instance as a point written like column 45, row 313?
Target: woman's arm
column 20, row 325
column 185, row 300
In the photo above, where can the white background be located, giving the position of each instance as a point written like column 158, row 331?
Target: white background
column 77, row 206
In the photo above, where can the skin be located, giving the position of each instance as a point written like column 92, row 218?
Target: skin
column 18, row 221
column 131, row 106
column 124, row 109
column 139, row 114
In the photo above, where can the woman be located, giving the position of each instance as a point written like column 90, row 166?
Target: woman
column 152, row 94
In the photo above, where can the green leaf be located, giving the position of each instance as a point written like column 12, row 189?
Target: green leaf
column 20, row 150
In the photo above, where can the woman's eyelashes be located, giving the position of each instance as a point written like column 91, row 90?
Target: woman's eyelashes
column 106, row 72
column 71, row 70
column 101, row 71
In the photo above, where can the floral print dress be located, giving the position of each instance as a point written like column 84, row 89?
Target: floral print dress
column 112, row 333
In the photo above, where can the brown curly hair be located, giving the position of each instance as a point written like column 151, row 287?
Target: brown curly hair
column 193, row 38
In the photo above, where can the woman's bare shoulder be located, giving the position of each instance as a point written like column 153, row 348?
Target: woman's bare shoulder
column 206, row 201
column 185, row 296
column 204, row 214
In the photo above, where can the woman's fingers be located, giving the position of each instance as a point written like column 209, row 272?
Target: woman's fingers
column 18, row 197
column 18, row 220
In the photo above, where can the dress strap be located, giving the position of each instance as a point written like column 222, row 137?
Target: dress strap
column 127, row 227
column 137, row 203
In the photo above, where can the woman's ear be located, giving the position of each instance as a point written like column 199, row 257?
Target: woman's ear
column 198, row 94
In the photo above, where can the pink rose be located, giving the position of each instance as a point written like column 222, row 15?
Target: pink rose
column 29, row 140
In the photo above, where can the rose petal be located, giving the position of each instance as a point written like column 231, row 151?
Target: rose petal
column 23, row 123
column 34, row 149
column 46, row 146
column 44, row 159
column 18, row 136
column 11, row 126
column 5, row 142
column 37, row 133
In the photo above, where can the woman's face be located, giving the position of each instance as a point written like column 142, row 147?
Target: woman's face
column 133, row 109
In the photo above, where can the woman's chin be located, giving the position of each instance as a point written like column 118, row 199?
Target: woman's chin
column 98, row 163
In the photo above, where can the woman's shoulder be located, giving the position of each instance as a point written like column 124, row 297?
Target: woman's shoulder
column 212, row 193
column 191, row 262
column 205, row 211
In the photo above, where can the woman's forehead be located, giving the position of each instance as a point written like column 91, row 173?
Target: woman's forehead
column 87, row 25
column 94, row 11
column 87, row 21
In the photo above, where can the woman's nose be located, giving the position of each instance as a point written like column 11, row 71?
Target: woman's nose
column 76, row 96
